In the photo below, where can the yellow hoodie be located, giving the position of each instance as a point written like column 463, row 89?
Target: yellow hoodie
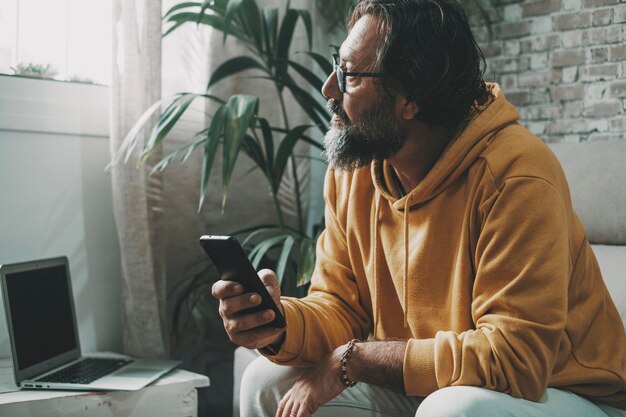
column 484, row 268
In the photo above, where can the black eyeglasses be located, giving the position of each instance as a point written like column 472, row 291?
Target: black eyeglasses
column 341, row 74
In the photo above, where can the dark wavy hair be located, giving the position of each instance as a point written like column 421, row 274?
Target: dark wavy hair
column 429, row 55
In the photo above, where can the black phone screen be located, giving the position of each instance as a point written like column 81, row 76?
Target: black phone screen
column 232, row 264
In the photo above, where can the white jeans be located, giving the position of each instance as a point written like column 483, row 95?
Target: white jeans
column 265, row 383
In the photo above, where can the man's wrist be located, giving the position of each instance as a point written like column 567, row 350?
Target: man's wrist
column 274, row 348
column 377, row 362
column 348, row 379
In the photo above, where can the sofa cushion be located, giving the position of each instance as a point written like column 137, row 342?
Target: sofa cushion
column 596, row 173
column 612, row 260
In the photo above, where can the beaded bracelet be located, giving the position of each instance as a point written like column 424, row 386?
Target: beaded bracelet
column 344, row 364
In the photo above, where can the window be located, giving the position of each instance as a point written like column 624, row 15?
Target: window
column 72, row 36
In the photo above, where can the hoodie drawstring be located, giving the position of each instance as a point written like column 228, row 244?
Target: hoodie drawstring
column 376, row 286
column 405, row 283
column 405, row 280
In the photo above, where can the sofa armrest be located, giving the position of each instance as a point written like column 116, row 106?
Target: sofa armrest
column 596, row 175
column 612, row 260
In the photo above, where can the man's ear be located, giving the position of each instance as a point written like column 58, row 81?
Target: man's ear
column 409, row 108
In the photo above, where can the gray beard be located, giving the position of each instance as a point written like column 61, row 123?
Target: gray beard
column 375, row 135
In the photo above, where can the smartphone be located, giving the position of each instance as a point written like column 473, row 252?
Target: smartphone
column 232, row 264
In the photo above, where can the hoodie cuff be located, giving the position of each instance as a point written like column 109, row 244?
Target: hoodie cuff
column 419, row 374
column 294, row 335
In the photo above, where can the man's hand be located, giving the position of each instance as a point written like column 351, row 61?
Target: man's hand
column 245, row 330
column 378, row 363
column 315, row 388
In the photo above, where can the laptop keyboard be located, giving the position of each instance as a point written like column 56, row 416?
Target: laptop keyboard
column 85, row 371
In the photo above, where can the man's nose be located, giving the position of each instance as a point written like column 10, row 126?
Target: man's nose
column 330, row 89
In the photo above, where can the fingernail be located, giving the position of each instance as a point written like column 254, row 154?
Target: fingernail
column 239, row 288
column 268, row 314
column 254, row 298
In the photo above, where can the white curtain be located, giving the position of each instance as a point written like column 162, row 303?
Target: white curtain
column 136, row 84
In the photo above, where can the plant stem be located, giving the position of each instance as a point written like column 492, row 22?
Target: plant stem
column 281, row 221
column 293, row 167
column 283, row 108
column 279, row 210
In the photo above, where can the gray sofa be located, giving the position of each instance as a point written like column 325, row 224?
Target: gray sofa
column 596, row 172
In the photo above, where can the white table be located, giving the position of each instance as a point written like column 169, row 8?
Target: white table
column 174, row 394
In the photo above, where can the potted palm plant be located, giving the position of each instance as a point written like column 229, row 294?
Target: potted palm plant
column 235, row 127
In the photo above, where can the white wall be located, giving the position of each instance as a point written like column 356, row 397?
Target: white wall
column 55, row 196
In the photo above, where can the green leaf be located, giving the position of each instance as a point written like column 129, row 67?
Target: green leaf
column 252, row 148
column 305, row 138
column 194, row 145
column 268, row 140
column 285, row 36
column 306, row 261
column 251, row 22
column 308, row 98
column 313, row 142
column 270, row 28
column 308, row 24
column 323, row 62
column 284, row 151
column 233, row 66
column 175, row 26
column 212, row 140
column 231, row 9
column 168, row 112
column 284, row 257
column 169, row 118
column 305, row 73
column 205, row 5
column 241, row 109
column 165, row 161
column 180, row 6
column 255, row 231
column 220, row 6
column 214, row 21
column 257, row 253
column 310, row 106
column 306, row 101
column 130, row 140
column 166, row 123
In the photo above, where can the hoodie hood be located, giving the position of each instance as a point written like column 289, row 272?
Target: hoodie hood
column 456, row 158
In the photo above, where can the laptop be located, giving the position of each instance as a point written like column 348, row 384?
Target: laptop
column 41, row 320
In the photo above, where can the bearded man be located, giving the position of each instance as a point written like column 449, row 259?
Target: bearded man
column 453, row 277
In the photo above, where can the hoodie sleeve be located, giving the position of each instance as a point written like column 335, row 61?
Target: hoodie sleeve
column 331, row 314
column 522, row 267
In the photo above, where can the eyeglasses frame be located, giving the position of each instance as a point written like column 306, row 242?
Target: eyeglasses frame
column 342, row 75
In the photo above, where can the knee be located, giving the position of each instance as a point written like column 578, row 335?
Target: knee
column 263, row 384
column 259, row 377
column 462, row 401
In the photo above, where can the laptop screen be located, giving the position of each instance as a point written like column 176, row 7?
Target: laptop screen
column 41, row 314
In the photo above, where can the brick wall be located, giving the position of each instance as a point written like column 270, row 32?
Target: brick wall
column 562, row 63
